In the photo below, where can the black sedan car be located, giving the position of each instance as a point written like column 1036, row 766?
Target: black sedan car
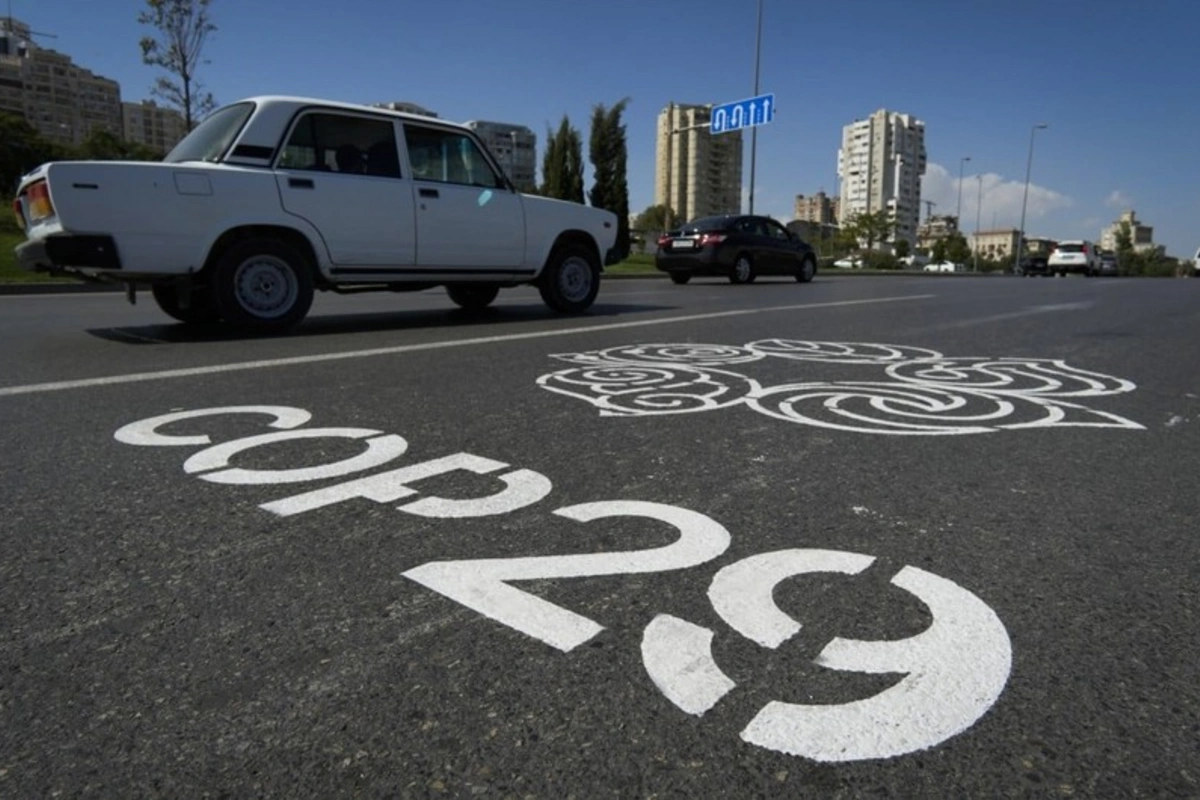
column 738, row 246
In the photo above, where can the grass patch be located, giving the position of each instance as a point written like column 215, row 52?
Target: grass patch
column 635, row 264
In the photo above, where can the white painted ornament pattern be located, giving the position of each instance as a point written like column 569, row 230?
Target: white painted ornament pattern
column 921, row 392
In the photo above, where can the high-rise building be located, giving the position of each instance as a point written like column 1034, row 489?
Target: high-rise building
column 819, row 208
column 880, row 164
column 696, row 173
column 151, row 125
column 62, row 101
column 514, row 146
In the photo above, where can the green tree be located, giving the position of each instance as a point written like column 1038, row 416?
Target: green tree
column 903, row 248
column 873, row 227
column 183, row 27
column 957, row 249
column 21, row 149
column 939, row 251
column 1127, row 260
column 102, row 145
column 562, row 164
column 655, row 218
column 608, row 153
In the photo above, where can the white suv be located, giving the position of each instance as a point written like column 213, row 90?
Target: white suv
column 271, row 198
column 1074, row 255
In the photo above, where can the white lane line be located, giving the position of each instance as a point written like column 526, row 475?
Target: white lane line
column 57, row 386
column 1031, row 311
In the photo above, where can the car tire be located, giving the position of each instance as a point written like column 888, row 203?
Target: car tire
column 743, row 270
column 263, row 285
column 473, row 298
column 201, row 308
column 571, row 280
column 807, row 271
column 680, row 278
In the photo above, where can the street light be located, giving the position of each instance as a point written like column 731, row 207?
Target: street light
column 1025, row 196
column 754, row 130
column 958, row 212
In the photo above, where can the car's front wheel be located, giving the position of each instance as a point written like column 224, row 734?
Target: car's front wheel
column 571, row 280
column 743, row 270
column 808, row 269
column 473, row 298
column 680, row 277
column 263, row 284
column 194, row 305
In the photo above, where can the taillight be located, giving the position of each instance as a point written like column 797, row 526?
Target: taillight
column 1085, row 249
column 664, row 240
column 711, row 238
column 17, row 211
column 37, row 199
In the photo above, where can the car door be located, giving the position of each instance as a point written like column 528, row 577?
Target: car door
column 340, row 171
column 784, row 250
column 468, row 219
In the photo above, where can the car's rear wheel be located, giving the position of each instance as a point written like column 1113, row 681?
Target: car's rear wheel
column 473, row 298
column 571, row 280
column 200, row 306
column 263, row 284
column 743, row 270
column 808, row 269
column 680, row 277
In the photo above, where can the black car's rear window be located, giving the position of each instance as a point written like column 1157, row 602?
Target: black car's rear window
column 706, row 224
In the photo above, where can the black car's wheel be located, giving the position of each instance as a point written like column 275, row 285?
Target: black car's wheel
column 473, row 298
column 571, row 279
column 680, row 277
column 201, row 307
column 263, row 284
column 808, row 269
column 743, row 270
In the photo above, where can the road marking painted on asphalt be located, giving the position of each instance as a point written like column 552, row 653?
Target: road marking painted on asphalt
column 113, row 380
column 1028, row 312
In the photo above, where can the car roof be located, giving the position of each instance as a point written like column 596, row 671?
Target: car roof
column 300, row 101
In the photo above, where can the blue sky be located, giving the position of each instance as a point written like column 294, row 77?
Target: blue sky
column 1118, row 83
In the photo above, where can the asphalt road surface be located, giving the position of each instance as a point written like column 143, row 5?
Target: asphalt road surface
column 919, row 536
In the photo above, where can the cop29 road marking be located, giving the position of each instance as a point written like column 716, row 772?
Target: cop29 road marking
column 953, row 672
column 241, row 366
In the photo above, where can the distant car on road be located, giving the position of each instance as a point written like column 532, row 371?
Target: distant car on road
column 737, row 246
column 1108, row 264
column 1077, row 255
column 915, row 260
column 849, row 262
column 945, row 266
column 1034, row 265
column 1196, row 263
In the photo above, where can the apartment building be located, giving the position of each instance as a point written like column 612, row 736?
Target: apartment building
column 696, row 173
column 61, row 100
column 936, row 228
column 880, row 164
column 514, row 146
column 1141, row 235
column 149, row 124
column 819, row 208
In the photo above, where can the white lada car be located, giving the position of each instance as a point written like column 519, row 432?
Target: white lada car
column 272, row 198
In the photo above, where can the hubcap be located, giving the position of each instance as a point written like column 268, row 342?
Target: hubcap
column 742, row 269
column 575, row 279
column 807, row 268
column 265, row 286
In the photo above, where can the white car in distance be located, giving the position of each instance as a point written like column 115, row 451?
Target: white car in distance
column 272, row 198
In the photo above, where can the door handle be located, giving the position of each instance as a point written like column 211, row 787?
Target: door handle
column 428, row 192
column 301, row 183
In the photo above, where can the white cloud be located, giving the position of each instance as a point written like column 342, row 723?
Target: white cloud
column 1000, row 206
column 1118, row 200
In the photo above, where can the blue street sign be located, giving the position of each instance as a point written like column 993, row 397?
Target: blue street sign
column 742, row 114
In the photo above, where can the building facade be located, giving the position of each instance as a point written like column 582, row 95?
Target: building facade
column 1141, row 235
column 62, row 101
column 696, row 173
column 514, row 147
column 936, row 228
column 997, row 244
column 880, row 164
column 149, row 124
column 819, row 208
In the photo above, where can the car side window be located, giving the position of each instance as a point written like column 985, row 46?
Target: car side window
column 446, row 156
column 747, row 226
column 345, row 143
column 777, row 231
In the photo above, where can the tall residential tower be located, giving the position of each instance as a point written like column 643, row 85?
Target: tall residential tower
column 696, row 173
column 880, row 164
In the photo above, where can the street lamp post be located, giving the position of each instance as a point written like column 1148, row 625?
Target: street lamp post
column 1025, row 196
column 754, row 130
column 958, row 212
column 978, row 207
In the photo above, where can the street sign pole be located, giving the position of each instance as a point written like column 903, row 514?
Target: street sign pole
column 754, row 130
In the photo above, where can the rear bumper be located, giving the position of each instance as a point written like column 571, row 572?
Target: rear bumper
column 709, row 261
column 60, row 251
